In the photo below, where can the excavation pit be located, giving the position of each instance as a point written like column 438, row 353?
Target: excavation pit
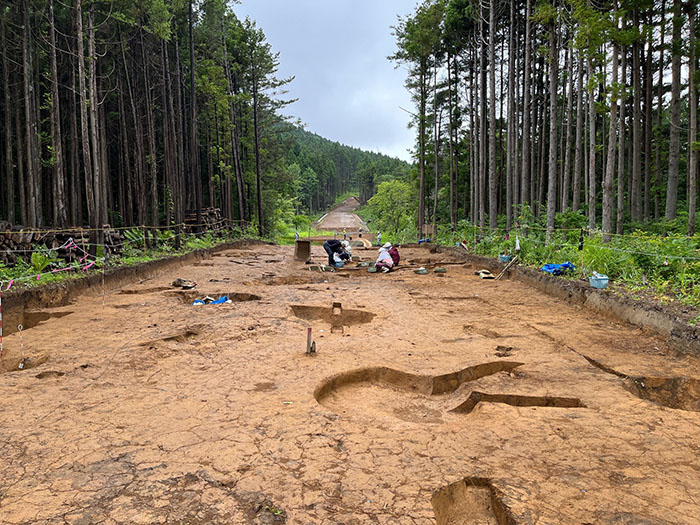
column 471, row 501
column 409, row 397
column 673, row 392
column 517, row 401
column 137, row 291
column 326, row 314
column 49, row 373
column 16, row 363
column 292, row 280
column 28, row 320
column 188, row 297
column 681, row 393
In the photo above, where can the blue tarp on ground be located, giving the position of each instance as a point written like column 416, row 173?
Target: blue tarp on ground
column 558, row 269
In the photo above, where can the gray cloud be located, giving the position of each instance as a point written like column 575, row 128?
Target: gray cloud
column 347, row 89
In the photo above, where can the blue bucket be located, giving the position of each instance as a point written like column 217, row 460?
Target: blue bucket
column 598, row 282
column 505, row 258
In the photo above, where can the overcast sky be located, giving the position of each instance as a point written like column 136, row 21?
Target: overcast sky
column 347, row 89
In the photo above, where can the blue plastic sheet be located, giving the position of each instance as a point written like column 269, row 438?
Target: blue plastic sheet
column 220, row 300
column 558, row 269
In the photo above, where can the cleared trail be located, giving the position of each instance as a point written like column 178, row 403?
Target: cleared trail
column 342, row 217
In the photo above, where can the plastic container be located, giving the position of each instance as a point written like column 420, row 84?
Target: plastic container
column 598, row 280
column 505, row 258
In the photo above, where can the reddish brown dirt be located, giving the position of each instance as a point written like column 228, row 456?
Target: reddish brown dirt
column 154, row 411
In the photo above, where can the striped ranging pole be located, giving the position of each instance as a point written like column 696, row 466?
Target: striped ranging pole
column 103, row 285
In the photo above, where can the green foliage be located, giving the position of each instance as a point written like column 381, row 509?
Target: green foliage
column 43, row 259
column 669, row 264
column 392, row 209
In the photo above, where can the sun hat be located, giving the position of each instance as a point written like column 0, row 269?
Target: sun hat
column 387, row 245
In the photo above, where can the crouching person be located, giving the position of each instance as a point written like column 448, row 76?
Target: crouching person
column 385, row 261
column 335, row 248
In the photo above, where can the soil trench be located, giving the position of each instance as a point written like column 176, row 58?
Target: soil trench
column 438, row 398
column 471, row 501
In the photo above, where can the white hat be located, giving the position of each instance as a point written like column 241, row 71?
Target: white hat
column 346, row 244
column 387, row 245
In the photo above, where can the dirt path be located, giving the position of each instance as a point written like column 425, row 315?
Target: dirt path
column 154, row 411
column 342, row 218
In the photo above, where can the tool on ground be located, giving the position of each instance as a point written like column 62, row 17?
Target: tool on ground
column 484, row 274
column 511, row 263
column 310, row 345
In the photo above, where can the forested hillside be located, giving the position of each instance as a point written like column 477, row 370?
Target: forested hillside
column 326, row 169
column 554, row 105
column 130, row 113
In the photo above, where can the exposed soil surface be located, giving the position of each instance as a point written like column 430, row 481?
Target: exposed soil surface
column 442, row 399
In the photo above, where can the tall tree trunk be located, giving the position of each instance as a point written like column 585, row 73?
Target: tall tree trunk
column 692, row 120
column 76, row 211
column 30, row 120
column 169, row 168
column 235, row 145
column 608, row 197
column 566, row 179
column 493, row 182
column 525, row 171
column 591, row 151
column 150, row 123
column 60, row 215
column 21, row 163
column 622, row 141
column 421, row 147
column 553, row 76
column 455, row 145
column 483, row 100
column 648, row 128
column 84, row 123
column 659, row 110
column 9, row 168
column 194, row 137
column 578, row 156
column 453, row 220
column 180, row 141
column 473, row 167
column 636, row 186
column 674, row 150
column 100, row 207
column 510, row 139
column 436, row 147
column 256, row 139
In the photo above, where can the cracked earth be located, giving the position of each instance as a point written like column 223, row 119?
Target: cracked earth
column 150, row 410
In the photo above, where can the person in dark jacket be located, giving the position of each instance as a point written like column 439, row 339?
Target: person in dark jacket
column 333, row 246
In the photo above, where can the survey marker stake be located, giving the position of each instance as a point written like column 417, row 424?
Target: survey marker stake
column 310, row 345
